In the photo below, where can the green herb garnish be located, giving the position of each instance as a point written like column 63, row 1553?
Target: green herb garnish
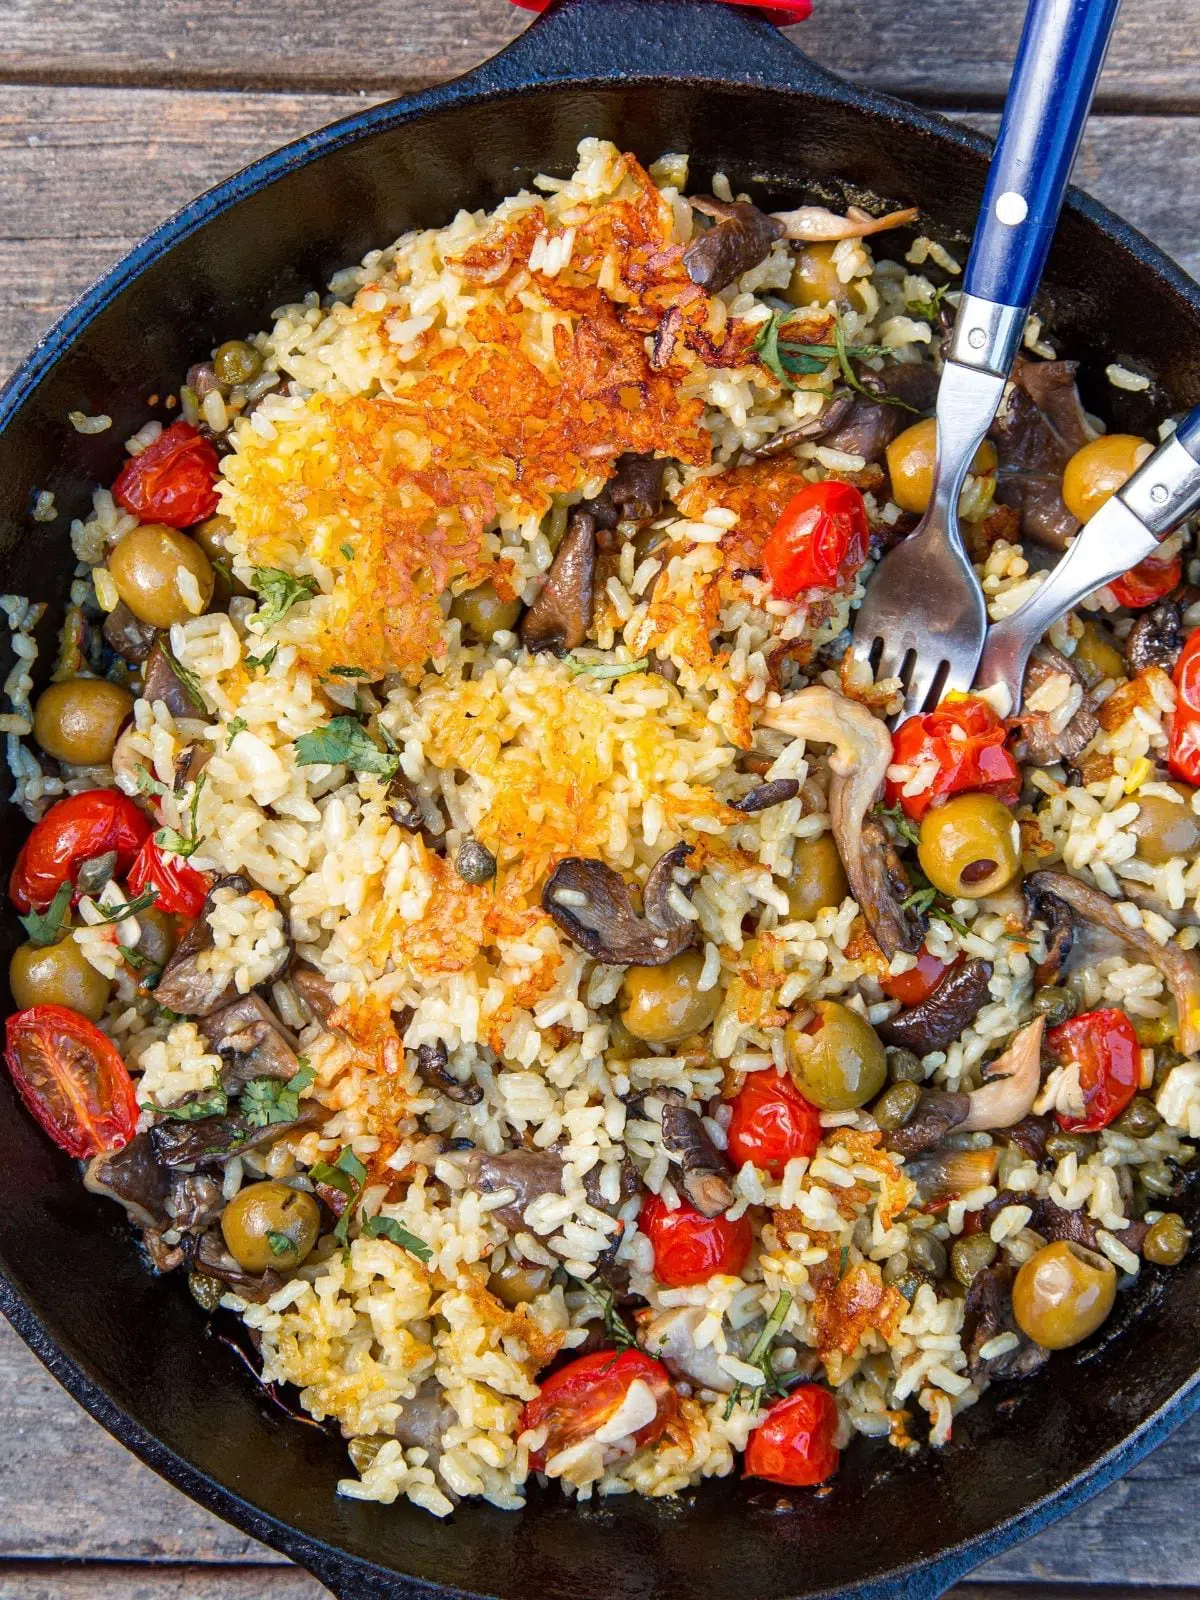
column 345, row 742
column 184, row 844
column 346, row 672
column 46, row 927
column 189, row 680
column 605, row 669
column 792, row 358
column 386, row 1228
column 142, row 902
column 280, row 1243
column 928, row 310
column 279, row 592
column 903, row 824
column 267, row 1100
column 347, row 550
column 615, row 1325
column 147, row 782
column 134, row 958
column 760, row 1357
column 236, row 726
column 213, row 1103
column 263, row 661
column 348, row 1175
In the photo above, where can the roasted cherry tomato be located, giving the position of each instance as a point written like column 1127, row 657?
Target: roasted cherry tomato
column 689, row 1247
column 919, row 982
column 181, row 888
column 1147, row 582
column 72, row 1079
column 819, row 542
column 172, row 480
column 1104, row 1046
column 580, row 1398
column 772, row 1123
column 965, row 738
column 793, row 1444
column 74, row 831
column 1183, row 753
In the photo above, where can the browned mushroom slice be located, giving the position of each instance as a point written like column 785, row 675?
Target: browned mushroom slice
column 741, row 239
column 988, row 1313
column 162, row 682
column 131, row 638
column 189, row 764
column 561, row 616
column 1037, row 739
column 187, row 989
column 315, row 990
column 836, row 412
column 766, row 795
column 433, row 1069
column 938, row 1113
column 135, row 1179
column 870, row 425
column 214, row 1260
column 213, row 1140
column 1180, row 968
column 591, row 903
column 1040, row 427
column 1156, row 638
column 940, row 1018
column 532, row 1173
column 1010, row 1084
column 421, row 1422
column 705, row 1171
column 1043, row 906
column 196, row 1200
column 862, row 752
column 634, row 493
column 252, row 1043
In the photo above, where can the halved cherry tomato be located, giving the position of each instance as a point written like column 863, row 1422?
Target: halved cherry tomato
column 181, row 888
column 1104, row 1046
column 820, row 540
column 772, row 1122
column 689, row 1247
column 965, row 738
column 580, row 1398
column 172, row 480
column 793, row 1444
column 1147, row 582
column 1183, row 751
column 72, row 1079
column 919, row 982
column 74, row 831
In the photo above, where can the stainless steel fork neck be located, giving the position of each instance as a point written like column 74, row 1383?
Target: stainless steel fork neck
column 986, row 335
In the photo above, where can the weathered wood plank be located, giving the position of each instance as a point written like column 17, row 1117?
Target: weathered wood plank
column 83, row 172
column 50, row 1580
column 942, row 50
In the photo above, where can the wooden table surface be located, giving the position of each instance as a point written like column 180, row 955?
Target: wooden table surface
column 112, row 114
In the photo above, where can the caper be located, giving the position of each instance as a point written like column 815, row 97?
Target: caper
column 911, row 1282
column 1060, row 1145
column 474, row 862
column 78, row 720
column 270, row 1225
column 1055, row 1004
column 840, row 1065
column 970, row 847
column 818, row 878
column 517, row 1284
column 236, row 362
column 1167, row 1240
column 483, row 614
column 1158, row 1177
column 971, row 1255
column 927, row 1253
column 1166, row 828
column 1063, row 1294
column 205, row 1291
column 904, row 1065
column 58, row 975
column 1139, row 1118
column 896, row 1105
column 145, row 565
column 895, row 1267
column 665, row 1004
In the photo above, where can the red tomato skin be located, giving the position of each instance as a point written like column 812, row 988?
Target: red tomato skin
column 1110, row 1064
column 919, row 982
column 793, row 1444
column 820, row 540
column 94, row 1109
column 690, row 1247
column 978, row 762
column 181, row 888
column 580, row 1397
column 772, row 1123
column 172, row 480
column 1183, row 751
column 72, row 832
column 1147, row 582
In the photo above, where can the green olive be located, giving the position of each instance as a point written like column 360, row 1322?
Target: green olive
column 649, row 542
column 841, row 1064
column 896, row 1105
column 1158, row 1178
column 1098, row 470
column 910, row 459
column 1055, row 1004
column 213, row 537
column 622, row 1046
column 145, row 565
column 1060, row 1145
column 1063, row 1294
column 157, row 936
column 78, row 720
column 927, row 1252
column 665, row 1004
column 483, row 614
column 1167, row 1240
column 818, row 878
column 236, row 362
column 1097, row 656
column 970, row 1256
column 57, row 975
column 516, row 1285
column 1139, row 1119
column 270, row 1225
column 815, row 280
column 1164, row 829
column 904, row 1065
column 970, row 847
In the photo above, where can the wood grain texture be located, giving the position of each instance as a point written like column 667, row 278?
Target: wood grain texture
column 84, row 172
column 38, row 1580
column 942, row 51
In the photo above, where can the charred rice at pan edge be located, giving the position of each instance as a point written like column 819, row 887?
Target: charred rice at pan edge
column 484, row 933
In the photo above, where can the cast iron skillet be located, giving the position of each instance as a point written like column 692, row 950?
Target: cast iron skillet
column 653, row 75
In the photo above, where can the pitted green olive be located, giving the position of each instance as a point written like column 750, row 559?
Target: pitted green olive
column 840, row 1064
column 270, row 1225
column 1063, row 1294
column 818, row 878
column 665, row 1004
column 970, row 847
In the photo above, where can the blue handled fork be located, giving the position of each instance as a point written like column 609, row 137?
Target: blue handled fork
column 924, row 619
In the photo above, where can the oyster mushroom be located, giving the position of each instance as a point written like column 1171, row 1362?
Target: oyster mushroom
column 433, row 1069
column 670, row 1337
column 135, row 1179
column 1180, row 968
column 131, row 638
column 987, row 1313
column 560, row 617
column 862, row 752
column 252, row 1043
column 741, row 238
column 1037, row 739
column 816, row 224
column 532, row 1173
column 1156, row 638
column 634, row 493
column 1039, row 428
column 940, row 1018
column 160, row 681
column 1011, row 1084
column 212, row 1259
column 766, row 795
column 705, row 1170
column 185, row 987
column 938, row 1113
column 1060, row 931
column 591, row 903
column 210, row 1141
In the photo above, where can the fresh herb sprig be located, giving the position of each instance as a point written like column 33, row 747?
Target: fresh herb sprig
column 278, row 592
column 131, row 908
column 789, row 358
column 267, row 1100
column 213, row 1103
column 899, row 820
column 761, row 1357
column 615, row 1326
column 184, row 844
column 47, row 927
column 348, row 1175
column 344, row 742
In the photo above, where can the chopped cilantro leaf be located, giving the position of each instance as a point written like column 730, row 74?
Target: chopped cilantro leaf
column 281, row 1244
column 263, row 661
column 47, row 927
column 212, row 1103
column 346, row 672
column 267, row 1100
column 348, row 551
column 386, row 1228
column 279, row 592
column 184, row 844
column 237, row 725
column 345, row 742
column 147, row 782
